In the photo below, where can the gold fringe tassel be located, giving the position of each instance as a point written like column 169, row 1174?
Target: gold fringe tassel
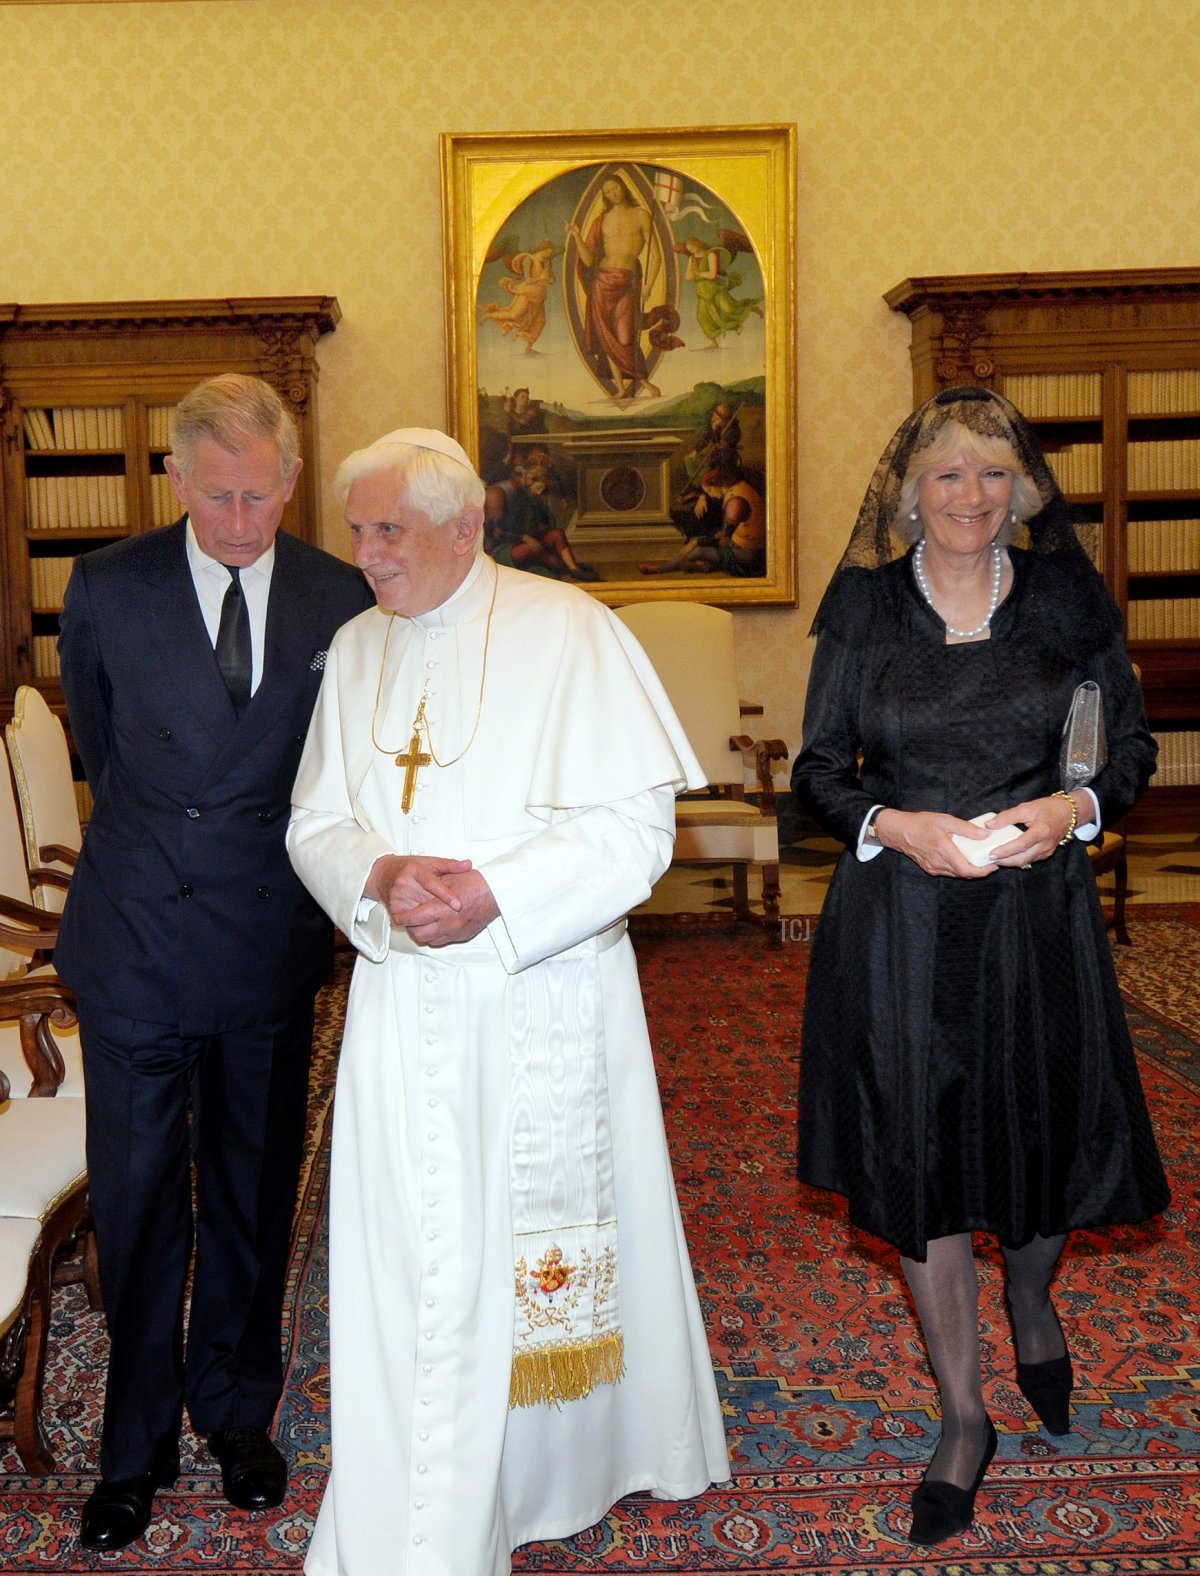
column 554, row 1374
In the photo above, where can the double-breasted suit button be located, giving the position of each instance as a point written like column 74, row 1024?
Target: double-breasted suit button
column 164, row 734
column 192, row 813
column 264, row 816
column 264, row 891
column 186, row 889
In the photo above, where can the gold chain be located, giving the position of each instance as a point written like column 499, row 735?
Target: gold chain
column 420, row 720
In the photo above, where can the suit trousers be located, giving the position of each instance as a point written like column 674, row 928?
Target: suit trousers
column 235, row 1103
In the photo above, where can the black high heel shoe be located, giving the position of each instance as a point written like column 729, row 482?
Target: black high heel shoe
column 942, row 1510
column 1047, row 1387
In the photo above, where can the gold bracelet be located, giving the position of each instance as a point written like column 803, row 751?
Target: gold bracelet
column 1061, row 793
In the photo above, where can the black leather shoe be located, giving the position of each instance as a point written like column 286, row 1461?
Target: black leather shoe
column 118, row 1512
column 942, row 1510
column 253, row 1473
column 1047, row 1387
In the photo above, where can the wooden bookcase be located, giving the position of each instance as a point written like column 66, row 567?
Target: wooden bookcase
column 1106, row 365
column 86, row 393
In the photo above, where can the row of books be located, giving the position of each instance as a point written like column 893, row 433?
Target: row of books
column 76, row 427
column 75, row 503
column 45, row 657
column 1078, row 467
column 1156, row 546
column 1164, row 393
column 1178, row 759
column 159, row 419
column 1168, row 466
column 48, row 582
column 1164, row 618
column 165, row 507
column 1055, row 393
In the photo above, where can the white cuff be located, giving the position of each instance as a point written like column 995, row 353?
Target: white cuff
column 865, row 850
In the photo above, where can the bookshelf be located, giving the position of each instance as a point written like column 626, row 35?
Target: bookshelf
column 86, row 394
column 1106, row 365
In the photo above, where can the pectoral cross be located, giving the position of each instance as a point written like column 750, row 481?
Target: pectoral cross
column 412, row 760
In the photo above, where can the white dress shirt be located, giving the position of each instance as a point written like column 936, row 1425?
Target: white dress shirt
column 212, row 580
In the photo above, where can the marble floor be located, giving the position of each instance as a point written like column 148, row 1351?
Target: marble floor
column 1163, row 868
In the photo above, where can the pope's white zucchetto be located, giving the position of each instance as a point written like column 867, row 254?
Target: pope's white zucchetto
column 424, row 438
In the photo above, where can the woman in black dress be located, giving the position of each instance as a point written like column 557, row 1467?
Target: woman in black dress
column 966, row 1062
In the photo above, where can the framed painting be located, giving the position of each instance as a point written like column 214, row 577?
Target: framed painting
column 620, row 333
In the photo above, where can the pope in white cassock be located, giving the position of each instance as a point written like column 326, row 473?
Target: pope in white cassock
column 487, row 789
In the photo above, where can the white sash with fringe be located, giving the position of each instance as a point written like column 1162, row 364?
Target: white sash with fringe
column 568, row 1331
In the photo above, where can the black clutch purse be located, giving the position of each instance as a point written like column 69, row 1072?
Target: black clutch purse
column 1084, row 744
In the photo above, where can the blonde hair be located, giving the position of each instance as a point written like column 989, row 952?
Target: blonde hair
column 950, row 440
column 233, row 410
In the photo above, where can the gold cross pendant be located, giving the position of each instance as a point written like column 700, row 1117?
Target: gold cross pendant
column 412, row 760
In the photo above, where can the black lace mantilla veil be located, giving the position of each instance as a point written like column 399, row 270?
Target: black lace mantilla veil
column 874, row 542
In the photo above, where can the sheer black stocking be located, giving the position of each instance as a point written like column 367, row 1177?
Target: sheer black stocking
column 946, row 1291
column 1036, row 1330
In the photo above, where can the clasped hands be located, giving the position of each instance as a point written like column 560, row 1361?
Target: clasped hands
column 927, row 836
column 438, row 901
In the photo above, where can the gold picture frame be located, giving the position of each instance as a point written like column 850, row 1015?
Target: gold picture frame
column 620, row 355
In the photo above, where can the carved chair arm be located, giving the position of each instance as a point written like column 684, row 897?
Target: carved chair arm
column 59, row 852
column 37, row 927
column 42, row 876
column 39, row 1001
column 760, row 753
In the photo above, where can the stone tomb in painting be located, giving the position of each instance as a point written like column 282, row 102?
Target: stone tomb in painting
column 622, row 494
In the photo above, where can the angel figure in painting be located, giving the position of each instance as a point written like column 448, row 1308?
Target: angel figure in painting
column 528, row 281
column 718, row 311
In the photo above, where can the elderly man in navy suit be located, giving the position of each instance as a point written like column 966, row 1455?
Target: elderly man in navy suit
column 191, row 659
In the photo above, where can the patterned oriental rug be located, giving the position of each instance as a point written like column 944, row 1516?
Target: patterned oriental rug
column 829, row 1403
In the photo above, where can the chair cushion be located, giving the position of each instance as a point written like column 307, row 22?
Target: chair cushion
column 724, row 830
column 18, row 1239
column 42, row 1155
column 1105, row 850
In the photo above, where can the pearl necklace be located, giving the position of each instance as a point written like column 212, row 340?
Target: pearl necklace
column 918, row 563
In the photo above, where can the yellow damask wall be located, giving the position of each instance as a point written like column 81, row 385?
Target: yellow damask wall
column 260, row 147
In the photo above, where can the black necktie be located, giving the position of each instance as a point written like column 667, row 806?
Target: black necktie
column 233, row 643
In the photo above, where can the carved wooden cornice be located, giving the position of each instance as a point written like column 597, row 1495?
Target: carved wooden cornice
column 302, row 315
column 938, row 291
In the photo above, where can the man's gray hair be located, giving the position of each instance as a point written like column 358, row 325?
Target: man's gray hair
column 429, row 474
column 234, row 410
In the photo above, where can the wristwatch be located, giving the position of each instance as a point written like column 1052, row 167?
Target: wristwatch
column 871, row 835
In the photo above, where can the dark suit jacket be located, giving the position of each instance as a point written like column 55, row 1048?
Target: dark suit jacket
column 184, row 908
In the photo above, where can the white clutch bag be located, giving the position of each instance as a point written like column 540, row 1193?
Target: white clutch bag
column 977, row 852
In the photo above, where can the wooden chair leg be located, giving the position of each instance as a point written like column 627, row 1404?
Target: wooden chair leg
column 741, row 894
column 770, row 891
column 28, row 1433
column 1121, row 873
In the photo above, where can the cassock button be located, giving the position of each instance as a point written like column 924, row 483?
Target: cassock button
column 192, row 813
column 186, row 889
column 431, row 663
column 164, row 734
